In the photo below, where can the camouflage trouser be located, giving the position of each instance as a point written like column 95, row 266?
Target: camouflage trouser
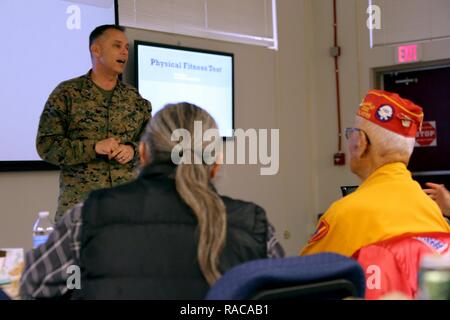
column 77, row 182
column 67, row 200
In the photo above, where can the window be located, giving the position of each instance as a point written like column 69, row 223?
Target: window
column 245, row 21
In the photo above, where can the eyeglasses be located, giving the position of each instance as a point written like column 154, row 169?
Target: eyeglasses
column 348, row 132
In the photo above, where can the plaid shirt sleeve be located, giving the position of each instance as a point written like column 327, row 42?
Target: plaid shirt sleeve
column 45, row 273
column 274, row 248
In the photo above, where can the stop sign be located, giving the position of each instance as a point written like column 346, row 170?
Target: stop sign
column 427, row 137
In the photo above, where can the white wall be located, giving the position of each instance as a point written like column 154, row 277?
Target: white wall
column 358, row 64
column 401, row 21
column 22, row 196
column 328, row 176
column 291, row 89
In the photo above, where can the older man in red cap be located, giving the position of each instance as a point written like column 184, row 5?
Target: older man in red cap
column 388, row 203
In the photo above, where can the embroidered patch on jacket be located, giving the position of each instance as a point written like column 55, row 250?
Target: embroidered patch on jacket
column 434, row 244
column 321, row 231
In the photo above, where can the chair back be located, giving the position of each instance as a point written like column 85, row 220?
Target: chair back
column 318, row 276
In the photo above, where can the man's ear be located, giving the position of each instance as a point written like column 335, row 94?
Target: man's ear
column 215, row 170
column 95, row 50
column 216, row 165
column 363, row 145
column 143, row 158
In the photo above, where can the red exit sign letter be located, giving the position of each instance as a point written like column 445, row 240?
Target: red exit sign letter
column 408, row 53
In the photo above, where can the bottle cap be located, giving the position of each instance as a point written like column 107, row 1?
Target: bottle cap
column 432, row 261
column 44, row 214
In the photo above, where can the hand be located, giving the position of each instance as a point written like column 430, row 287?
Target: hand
column 107, row 146
column 441, row 195
column 123, row 154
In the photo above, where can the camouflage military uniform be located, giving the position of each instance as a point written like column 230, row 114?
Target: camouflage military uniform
column 75, row 117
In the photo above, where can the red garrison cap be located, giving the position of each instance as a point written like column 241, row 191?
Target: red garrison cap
column 392, row 112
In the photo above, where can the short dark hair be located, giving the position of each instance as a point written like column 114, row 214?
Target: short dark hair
column 97, row 32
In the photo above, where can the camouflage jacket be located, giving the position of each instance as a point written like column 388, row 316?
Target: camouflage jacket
column 75, row 117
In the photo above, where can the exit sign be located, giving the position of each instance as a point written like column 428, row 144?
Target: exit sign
column 407, row 53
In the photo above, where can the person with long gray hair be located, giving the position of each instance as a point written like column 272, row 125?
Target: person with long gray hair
column 166, row 235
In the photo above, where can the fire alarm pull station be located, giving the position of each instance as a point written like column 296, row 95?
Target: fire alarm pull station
column 339, row 159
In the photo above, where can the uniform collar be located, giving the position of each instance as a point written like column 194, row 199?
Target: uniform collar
column 88, row 85
column 390, row 171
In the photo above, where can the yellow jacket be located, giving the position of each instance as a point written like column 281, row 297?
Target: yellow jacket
column 387, row 204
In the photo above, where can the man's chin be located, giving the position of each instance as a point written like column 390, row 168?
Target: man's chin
column 119, row 70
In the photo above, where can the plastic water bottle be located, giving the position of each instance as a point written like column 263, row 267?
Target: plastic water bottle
column 42, row 229
column 434, row 278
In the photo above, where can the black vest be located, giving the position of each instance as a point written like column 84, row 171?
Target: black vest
column 139, row 240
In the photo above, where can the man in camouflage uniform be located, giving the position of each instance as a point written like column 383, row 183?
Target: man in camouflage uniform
column 91, row 125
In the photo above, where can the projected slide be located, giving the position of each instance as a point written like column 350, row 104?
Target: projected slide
column 167, row 75
column 47, row 42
